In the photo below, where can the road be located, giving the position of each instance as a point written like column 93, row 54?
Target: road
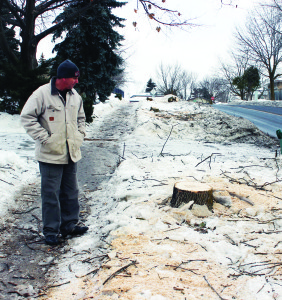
column 268, row 119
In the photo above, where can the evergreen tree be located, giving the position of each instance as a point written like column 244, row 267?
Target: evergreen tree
column 150, row 85
column 252, row 79
column 248, row 82
column 240, row 84
column 92, row 45
column 16, row 82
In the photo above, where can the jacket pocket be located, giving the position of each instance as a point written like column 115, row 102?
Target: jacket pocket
column 75, row 142
column 74, row 145
column 56, row 144
column 54, row 118
column 78, row 139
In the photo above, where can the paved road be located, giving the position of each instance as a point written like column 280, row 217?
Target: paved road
column 269, row 109
column 268, row 119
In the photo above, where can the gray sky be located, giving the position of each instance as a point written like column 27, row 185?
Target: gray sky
column 197, row 49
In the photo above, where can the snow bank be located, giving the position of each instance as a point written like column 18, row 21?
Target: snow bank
column 176, row 251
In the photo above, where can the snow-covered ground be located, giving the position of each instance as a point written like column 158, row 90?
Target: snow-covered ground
column 263, row 102
column 233, row 252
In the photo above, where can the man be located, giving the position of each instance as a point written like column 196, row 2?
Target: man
column 54, row 117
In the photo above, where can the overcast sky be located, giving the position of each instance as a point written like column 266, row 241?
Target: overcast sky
column 196, row 49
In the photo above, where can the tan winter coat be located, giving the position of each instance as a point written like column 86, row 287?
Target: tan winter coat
column 58, row 128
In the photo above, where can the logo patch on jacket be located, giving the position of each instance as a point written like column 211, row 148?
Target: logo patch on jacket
column 51, row 118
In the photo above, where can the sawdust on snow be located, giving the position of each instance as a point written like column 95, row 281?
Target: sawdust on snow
column 141, row 265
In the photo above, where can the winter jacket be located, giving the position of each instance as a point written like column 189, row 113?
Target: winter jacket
column 58, row 127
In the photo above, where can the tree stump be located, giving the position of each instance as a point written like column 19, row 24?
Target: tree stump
column 185, row 191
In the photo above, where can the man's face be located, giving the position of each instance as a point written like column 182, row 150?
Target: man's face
column 70, row 82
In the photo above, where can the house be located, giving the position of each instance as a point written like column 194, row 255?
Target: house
column 142, row 96
column 277, row 89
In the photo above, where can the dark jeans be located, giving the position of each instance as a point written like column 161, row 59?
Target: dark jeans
column 59, row 193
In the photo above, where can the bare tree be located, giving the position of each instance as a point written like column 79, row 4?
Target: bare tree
column 33, row 20
column 262, row 41
column 187, row 82
column 276, row 4
column 172, row 79
column 215, row 87
column 236, row 68
column 169, row 79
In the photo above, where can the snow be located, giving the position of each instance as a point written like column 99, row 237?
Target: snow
column 178, row 250
column 17, row 166
column 263, row 102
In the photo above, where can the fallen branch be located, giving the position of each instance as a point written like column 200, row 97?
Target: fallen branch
column 167, row 139
column 240, row 180
column 268, row 183
column 213, row 288
column 178, row 267
column 122, row 157
column 28, row 277
column 269, row 221
column 89, row 259
column 93, row 271
column 123, row 150
column 171, row 229
column 57, row 285
column 249, row 183
column 266, row 232
column 104, row 140
column 209, row 157
column 7, row 182
column 266, row 253
column 29, row 247
column 230, row 240
column 133, row 263
column 278, row 169
column 265, row 266
column 187, row 262
column 24, row 212
column 242, row 198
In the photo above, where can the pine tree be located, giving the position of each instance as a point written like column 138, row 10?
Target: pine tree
column 92, row 45
column 248, row 82
column 16, row 82
column 150, row 85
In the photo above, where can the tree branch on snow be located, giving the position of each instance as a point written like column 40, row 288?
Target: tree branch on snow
column 167, row 139
column 91, row 272
column 213, row 288
column 242, row 198
column 209, row 157
column 190, row 270
column 133, row 263
column 249, row 183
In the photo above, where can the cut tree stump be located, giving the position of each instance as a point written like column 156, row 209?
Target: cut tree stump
column 185, row 191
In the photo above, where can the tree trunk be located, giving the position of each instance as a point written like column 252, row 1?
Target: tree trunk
column 272, row 94
column 28, row 53
column 185, row 191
